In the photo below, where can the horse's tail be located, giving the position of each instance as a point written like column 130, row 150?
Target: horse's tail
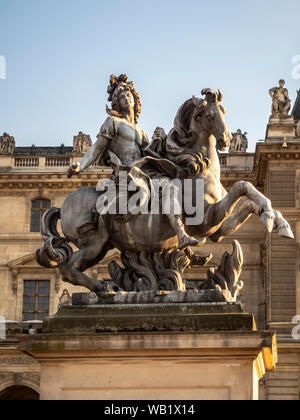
column 55, row 249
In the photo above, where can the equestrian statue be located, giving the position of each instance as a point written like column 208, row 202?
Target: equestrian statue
column 156, row 246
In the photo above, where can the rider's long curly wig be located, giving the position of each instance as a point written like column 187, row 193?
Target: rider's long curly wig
column 116, row 86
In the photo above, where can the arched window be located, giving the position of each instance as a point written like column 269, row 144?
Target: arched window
column 38, row 208
column 19, row 393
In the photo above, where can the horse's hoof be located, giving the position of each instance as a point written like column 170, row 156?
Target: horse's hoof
column 201, row 242
column 286, row 232
column 267, row 218
column 188, row 241
column 108, row 288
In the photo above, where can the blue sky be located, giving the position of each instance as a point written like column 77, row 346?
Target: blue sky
column 60, row 54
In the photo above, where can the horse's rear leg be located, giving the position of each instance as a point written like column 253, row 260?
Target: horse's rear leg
column 92, row 253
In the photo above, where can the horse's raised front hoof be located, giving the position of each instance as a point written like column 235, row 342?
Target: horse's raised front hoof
column 286, row 232
column 267, row 218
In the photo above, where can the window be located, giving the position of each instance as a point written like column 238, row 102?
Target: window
column 223, row 160
column 36, row 300
column 38, row 208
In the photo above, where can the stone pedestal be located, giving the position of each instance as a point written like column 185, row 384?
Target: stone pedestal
column 152, row 352
column 283, row 126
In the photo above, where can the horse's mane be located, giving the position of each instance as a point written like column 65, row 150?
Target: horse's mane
column 194, row 163
column 173, row 146
column 181, row 132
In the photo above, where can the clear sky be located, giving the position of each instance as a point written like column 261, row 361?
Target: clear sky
column 60, row 54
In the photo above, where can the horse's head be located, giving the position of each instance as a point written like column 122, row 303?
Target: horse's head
column 209, row 116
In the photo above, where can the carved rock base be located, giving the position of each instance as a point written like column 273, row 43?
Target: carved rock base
column 158, row 278
column 157, row 271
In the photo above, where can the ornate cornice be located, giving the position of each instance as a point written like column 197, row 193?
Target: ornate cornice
column 19, row 180
column 277, row 151
column 56, row 179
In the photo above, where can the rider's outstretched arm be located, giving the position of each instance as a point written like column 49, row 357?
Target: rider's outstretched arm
column 106, row 133
column 93, row 154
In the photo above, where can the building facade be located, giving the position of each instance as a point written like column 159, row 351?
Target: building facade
column 33, row 179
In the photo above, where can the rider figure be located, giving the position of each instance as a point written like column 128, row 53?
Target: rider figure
column 121, row 140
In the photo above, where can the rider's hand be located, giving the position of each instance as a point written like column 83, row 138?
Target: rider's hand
column 73, row 169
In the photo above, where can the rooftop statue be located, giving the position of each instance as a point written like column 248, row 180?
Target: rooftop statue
column 7, row 144
column 281, row 101
column 156, row 246
column 239, row 142
column 81, row 143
